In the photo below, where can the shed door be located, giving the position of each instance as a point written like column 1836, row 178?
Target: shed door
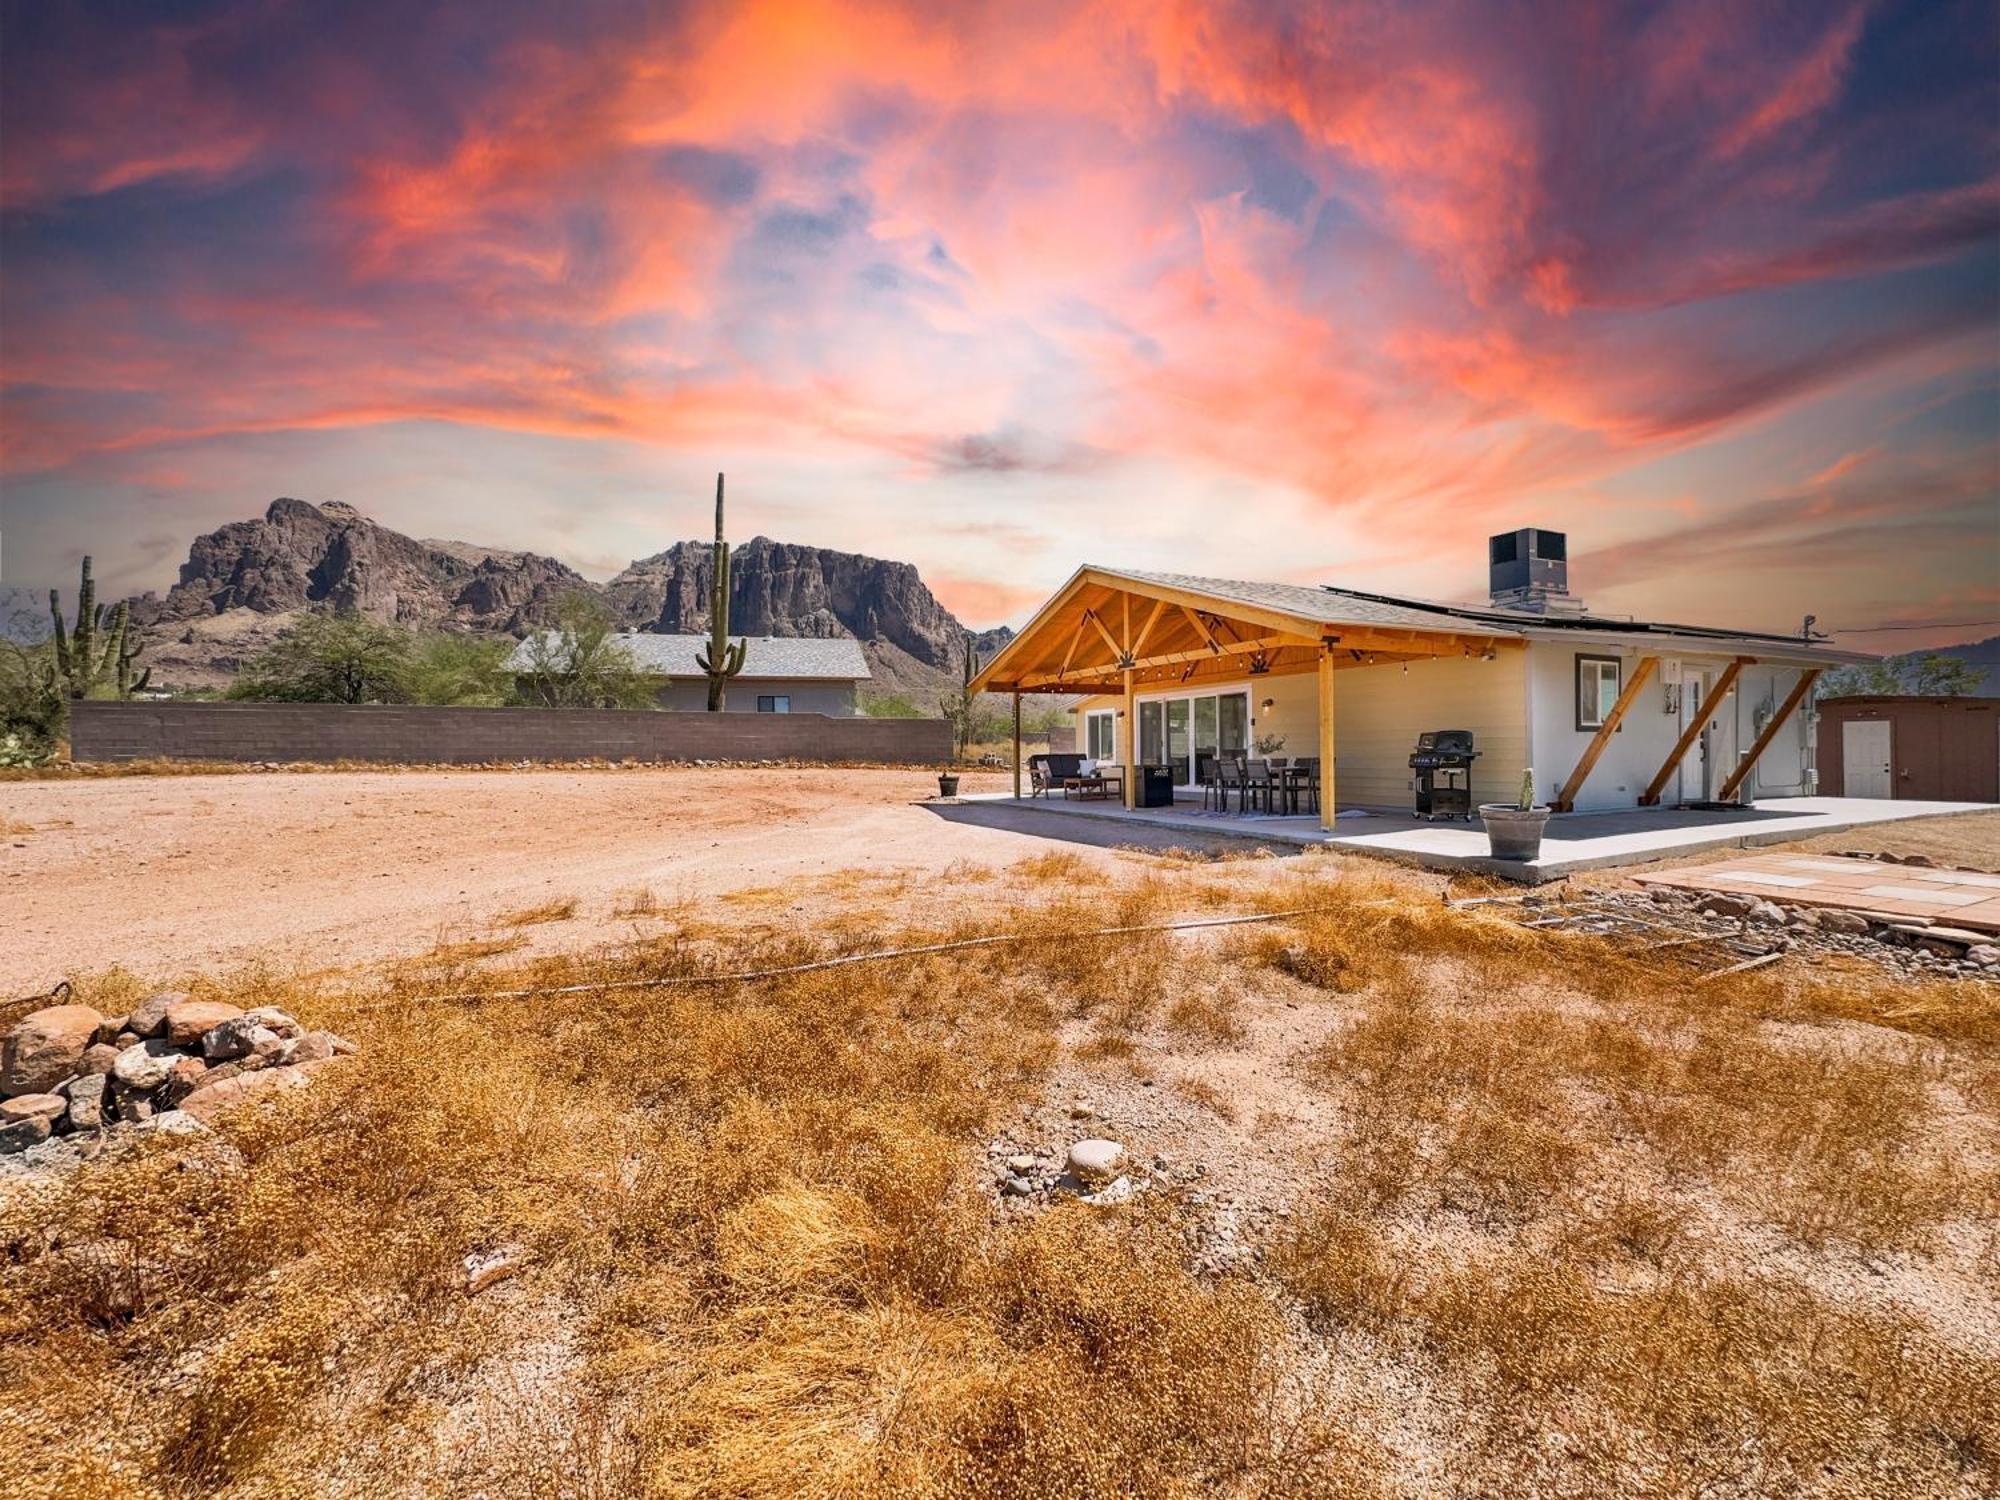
column 1864, row 758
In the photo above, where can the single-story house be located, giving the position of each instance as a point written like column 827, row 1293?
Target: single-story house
column 782, row 674
column 1928, row 749
column 1608, row 712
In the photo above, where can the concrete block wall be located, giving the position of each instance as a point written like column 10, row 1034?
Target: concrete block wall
column 472, row 736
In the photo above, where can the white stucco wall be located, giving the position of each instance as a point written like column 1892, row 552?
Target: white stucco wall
column 1648, row 732
column 1519, row 705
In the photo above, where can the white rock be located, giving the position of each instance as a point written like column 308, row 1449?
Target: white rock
column 1096, row 1160
column 1118, row 1191
column 144, row 1066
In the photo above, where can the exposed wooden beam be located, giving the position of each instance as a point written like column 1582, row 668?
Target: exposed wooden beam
column 1200, row 628
column 1565, row 798
column 1146, row 630
column 1792, row 700
column 1074, row 642
column 1175, row 658
column 1709, row 709
column 1117, row 654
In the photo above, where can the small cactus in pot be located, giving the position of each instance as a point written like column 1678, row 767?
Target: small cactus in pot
column 1514, row 830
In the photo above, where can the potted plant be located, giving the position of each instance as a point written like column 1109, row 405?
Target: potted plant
column 1516, row 832
column 947, row 783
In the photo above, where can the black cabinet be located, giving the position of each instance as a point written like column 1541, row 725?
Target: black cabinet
column 1156, row 786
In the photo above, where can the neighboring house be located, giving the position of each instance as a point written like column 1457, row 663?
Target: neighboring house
column 1932, row 749
column 781, row 674
column 1610, row 713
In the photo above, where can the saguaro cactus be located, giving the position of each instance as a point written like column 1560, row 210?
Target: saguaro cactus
column 723, row 659
column 95, row 648
column 958, row 707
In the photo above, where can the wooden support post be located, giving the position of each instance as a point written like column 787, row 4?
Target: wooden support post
column 1792, row 700
column 1326, row 752
column 1565, row 798
column 1131, row 742
column 1713, row 706
column 1017, row 747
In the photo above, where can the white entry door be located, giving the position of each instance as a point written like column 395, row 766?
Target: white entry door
column 1864, row 758
column 1694, row 766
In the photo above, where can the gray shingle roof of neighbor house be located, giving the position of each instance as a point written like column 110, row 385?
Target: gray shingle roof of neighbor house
column 768, row 657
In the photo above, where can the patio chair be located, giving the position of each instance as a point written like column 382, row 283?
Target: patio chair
column 1228, row 778
column 1212, row 785
column 1307, row 782
column 1259, row 785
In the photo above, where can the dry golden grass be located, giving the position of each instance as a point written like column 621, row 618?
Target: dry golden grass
column 758, row 1259
column 639, row 901
column 559, row 910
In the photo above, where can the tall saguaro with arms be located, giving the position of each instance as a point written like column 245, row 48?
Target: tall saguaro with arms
column 723, row 659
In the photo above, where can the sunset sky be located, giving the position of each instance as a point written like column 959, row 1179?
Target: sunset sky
column 1291, row 292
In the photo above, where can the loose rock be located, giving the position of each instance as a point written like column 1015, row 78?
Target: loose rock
column 273, row 1019
column 32, row 1107
column 149, row 1016
column 86, row 1101
column 22, row 1134
column 44, row 1048
column 98, row 1057
column 234, row 1038
column 1095, row 1161
column 1118, row 1191
column 1722, row 904
column 144, row 1066
column 189, row 1021
column 314, row 1046
column 183, row 1080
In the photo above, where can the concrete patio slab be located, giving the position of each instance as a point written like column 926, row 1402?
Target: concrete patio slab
column 1963, row 898
column 1573, row 842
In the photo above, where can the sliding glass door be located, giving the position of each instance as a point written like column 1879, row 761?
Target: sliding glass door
column 1187, row 733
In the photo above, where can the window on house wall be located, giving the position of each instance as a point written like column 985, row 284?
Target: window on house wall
column 1097, row 736
column 774, row 703
column 1597, row 688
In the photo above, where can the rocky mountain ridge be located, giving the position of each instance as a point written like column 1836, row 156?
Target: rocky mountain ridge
column 243, row 582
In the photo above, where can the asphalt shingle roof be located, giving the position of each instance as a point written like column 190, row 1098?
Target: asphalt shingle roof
column 1328, row 606
column 768, row 657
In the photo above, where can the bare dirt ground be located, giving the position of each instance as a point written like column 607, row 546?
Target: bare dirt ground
column 318, row 869
column 1430, row 1144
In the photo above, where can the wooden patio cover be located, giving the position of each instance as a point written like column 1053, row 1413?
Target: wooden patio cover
column 1117, row 631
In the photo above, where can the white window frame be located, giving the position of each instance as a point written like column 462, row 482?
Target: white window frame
column 1589, row 669
column 1110, row 717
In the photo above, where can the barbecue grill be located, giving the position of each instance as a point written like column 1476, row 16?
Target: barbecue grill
column 1442, row 763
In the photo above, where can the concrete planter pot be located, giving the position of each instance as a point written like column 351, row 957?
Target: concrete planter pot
column 1514, row 832
column 947, row 784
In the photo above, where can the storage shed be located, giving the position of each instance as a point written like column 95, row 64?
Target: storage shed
column 1943, row 749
